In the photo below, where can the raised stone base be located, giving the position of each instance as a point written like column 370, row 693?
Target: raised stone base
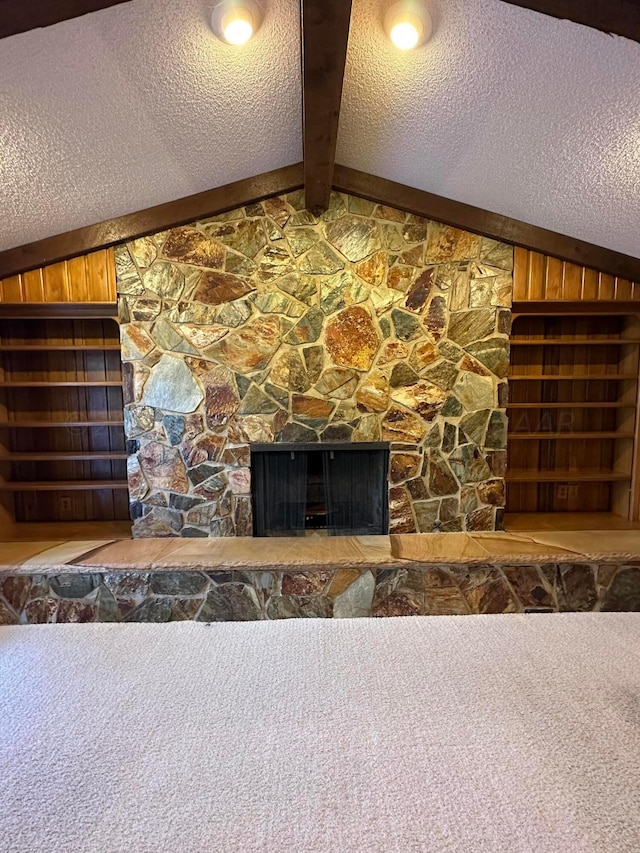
column 349, row 592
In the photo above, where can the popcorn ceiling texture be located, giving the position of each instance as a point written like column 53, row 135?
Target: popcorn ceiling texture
column 136, row 105
column 506, row 109
column 267, row 324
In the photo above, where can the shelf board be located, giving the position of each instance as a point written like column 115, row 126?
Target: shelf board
column 60, row 348
column 583, row 475
column 64, row 456
column 546, row 436
column 58, row 424
column 64, row 531
column 540, row 405
column 107, row 383
column 62, row 485
column 572, row 377
column 515, row 522
column 572, row 342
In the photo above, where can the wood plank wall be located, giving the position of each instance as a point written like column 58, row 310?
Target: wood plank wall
column 88, row 278
column 538, row 277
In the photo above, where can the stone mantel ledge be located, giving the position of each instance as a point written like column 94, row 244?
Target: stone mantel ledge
column 319, row 554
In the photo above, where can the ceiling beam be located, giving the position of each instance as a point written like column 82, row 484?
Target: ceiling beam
column 325, row 33
column 620, row 17
column 484, row 222
column 19, row 16
column 150, row 221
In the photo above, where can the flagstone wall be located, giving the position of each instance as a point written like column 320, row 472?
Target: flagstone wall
column 269, row 324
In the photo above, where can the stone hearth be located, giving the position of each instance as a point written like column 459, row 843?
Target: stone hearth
column 267, row 324
column 234, row 579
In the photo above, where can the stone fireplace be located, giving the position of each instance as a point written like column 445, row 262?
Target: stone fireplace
column 268, row 325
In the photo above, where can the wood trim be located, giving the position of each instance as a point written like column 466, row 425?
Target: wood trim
column 493, row 225
column 59, row 310
column 621, row 17
column 20, row 16
column 545, row 307
column 169, row 215
column 179, row 212
column 325, row 33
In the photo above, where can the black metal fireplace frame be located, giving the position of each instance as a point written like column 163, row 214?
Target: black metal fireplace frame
column 320, row 447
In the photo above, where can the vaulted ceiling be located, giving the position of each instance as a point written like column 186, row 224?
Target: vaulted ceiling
column 139, row 104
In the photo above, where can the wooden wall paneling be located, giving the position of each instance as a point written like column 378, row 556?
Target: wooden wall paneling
column 12, row 289
column 520, row 274
column 84, row 279
column 590, row 281
column 553, row 278
column 606, row 287
column 624, row 289
column 56, row 283
column 78, row 283
column 33, row 286
column 538, row 278
column 572, row 282
column 101, row 276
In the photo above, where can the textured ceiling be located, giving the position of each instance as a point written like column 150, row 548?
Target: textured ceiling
column 137, row 105
column 505, row 109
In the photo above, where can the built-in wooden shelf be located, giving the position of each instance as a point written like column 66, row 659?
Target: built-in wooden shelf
column 580, row 405
column 62, row 444
column 64, row 531
column 553, row 436
column 572, row 342
column 105, row 383
column 64, row 456
column 59, row 348
column 61, row 424
column 573, row 388
column 516, row 522
column 580, row 475
column 61, row 485
column 573, row 377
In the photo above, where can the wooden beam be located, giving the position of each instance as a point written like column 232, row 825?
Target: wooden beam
column 620, row 17
column 325, row 33
column 484, row 222
column 153, row 219
column 19, row 16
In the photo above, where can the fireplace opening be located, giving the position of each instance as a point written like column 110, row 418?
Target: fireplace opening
column 326, row 490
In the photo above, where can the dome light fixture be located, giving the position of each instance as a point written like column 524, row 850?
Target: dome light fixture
column 408, row 23
column 235, row 21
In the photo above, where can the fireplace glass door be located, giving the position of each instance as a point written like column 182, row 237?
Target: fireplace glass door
column 301, row 490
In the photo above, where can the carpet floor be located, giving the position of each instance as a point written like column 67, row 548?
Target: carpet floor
column 474, row 733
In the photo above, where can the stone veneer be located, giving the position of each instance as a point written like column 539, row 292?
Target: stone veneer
column 220, row 596
column 269, row 324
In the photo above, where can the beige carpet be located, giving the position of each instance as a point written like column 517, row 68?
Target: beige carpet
column 474, row 733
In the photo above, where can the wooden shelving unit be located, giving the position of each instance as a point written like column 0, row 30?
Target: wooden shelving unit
column 62, row 443
column 573, row 389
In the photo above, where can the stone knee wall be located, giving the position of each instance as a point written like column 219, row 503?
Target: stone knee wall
column 217, row 596
column 269, row 324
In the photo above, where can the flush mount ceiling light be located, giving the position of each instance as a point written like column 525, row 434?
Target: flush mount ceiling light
column 408, row 23
column 235, row 21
